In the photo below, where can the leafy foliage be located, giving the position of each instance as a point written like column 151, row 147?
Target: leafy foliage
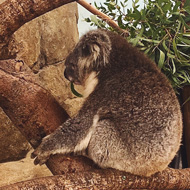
column 160, row 29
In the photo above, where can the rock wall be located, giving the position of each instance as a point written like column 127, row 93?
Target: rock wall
column 43, row 45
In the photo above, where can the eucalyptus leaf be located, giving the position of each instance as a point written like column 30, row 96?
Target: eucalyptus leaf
column 95, row 20
column 175, row 47
column 74, row 91
column 150, row 40
column 186, row 34
column 173, row 64
column 161, row 59
column 187, row 41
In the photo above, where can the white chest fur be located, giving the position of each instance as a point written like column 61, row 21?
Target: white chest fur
column 90, row 84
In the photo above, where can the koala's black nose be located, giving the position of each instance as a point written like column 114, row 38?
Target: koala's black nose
column 68, row 75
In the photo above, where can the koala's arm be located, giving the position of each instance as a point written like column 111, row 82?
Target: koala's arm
column 71, row 136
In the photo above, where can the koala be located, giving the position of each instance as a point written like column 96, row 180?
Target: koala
column 130, row 120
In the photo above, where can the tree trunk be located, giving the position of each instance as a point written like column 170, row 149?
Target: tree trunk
column 186, row 120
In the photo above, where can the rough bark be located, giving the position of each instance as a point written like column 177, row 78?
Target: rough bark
column 186, row 120
column 31, row 108
column 186, row 111
column 108, row 180
column 15, row 13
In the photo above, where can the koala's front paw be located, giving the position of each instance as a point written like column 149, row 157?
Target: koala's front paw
column 41, row 155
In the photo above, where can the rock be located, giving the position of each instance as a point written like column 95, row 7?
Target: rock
column 47, row 39
column 43, row 45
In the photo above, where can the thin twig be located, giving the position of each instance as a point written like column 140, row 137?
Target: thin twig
column 102, row 16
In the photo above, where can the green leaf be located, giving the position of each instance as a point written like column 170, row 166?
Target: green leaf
column 185, row 40
column 122, row 4
column 119, row 20
column 184, row 54
column 147, row 50
column 138, row 14
column 161, row 59
column 74, row 91
column 166, row 7
column 94, row 19
column 164, row 45
column 134, row 41
column 157, row 4
column 171, row 56
column 187, row 9
column 175, row 47
column 173, row 66
column 87, row 20
column 150, row 40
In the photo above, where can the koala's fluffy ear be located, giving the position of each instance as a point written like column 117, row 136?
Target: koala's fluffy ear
column 92, row 49
column 96, row 47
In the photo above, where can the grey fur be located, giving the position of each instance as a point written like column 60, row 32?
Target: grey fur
column 131, row 119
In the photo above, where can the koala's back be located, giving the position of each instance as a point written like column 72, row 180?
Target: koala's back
column 140, row 125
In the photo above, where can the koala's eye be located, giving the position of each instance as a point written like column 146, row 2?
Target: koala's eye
column 86, row 51
column 72, row 66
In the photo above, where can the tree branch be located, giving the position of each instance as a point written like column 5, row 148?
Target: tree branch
column 108, row 180
column 26, row 103
column 15, row 13
column 102, row 16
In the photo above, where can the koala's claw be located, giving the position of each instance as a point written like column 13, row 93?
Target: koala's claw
column 33, row 155
column 40, row 157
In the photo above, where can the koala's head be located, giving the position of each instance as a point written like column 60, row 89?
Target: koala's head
column 90, row 55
